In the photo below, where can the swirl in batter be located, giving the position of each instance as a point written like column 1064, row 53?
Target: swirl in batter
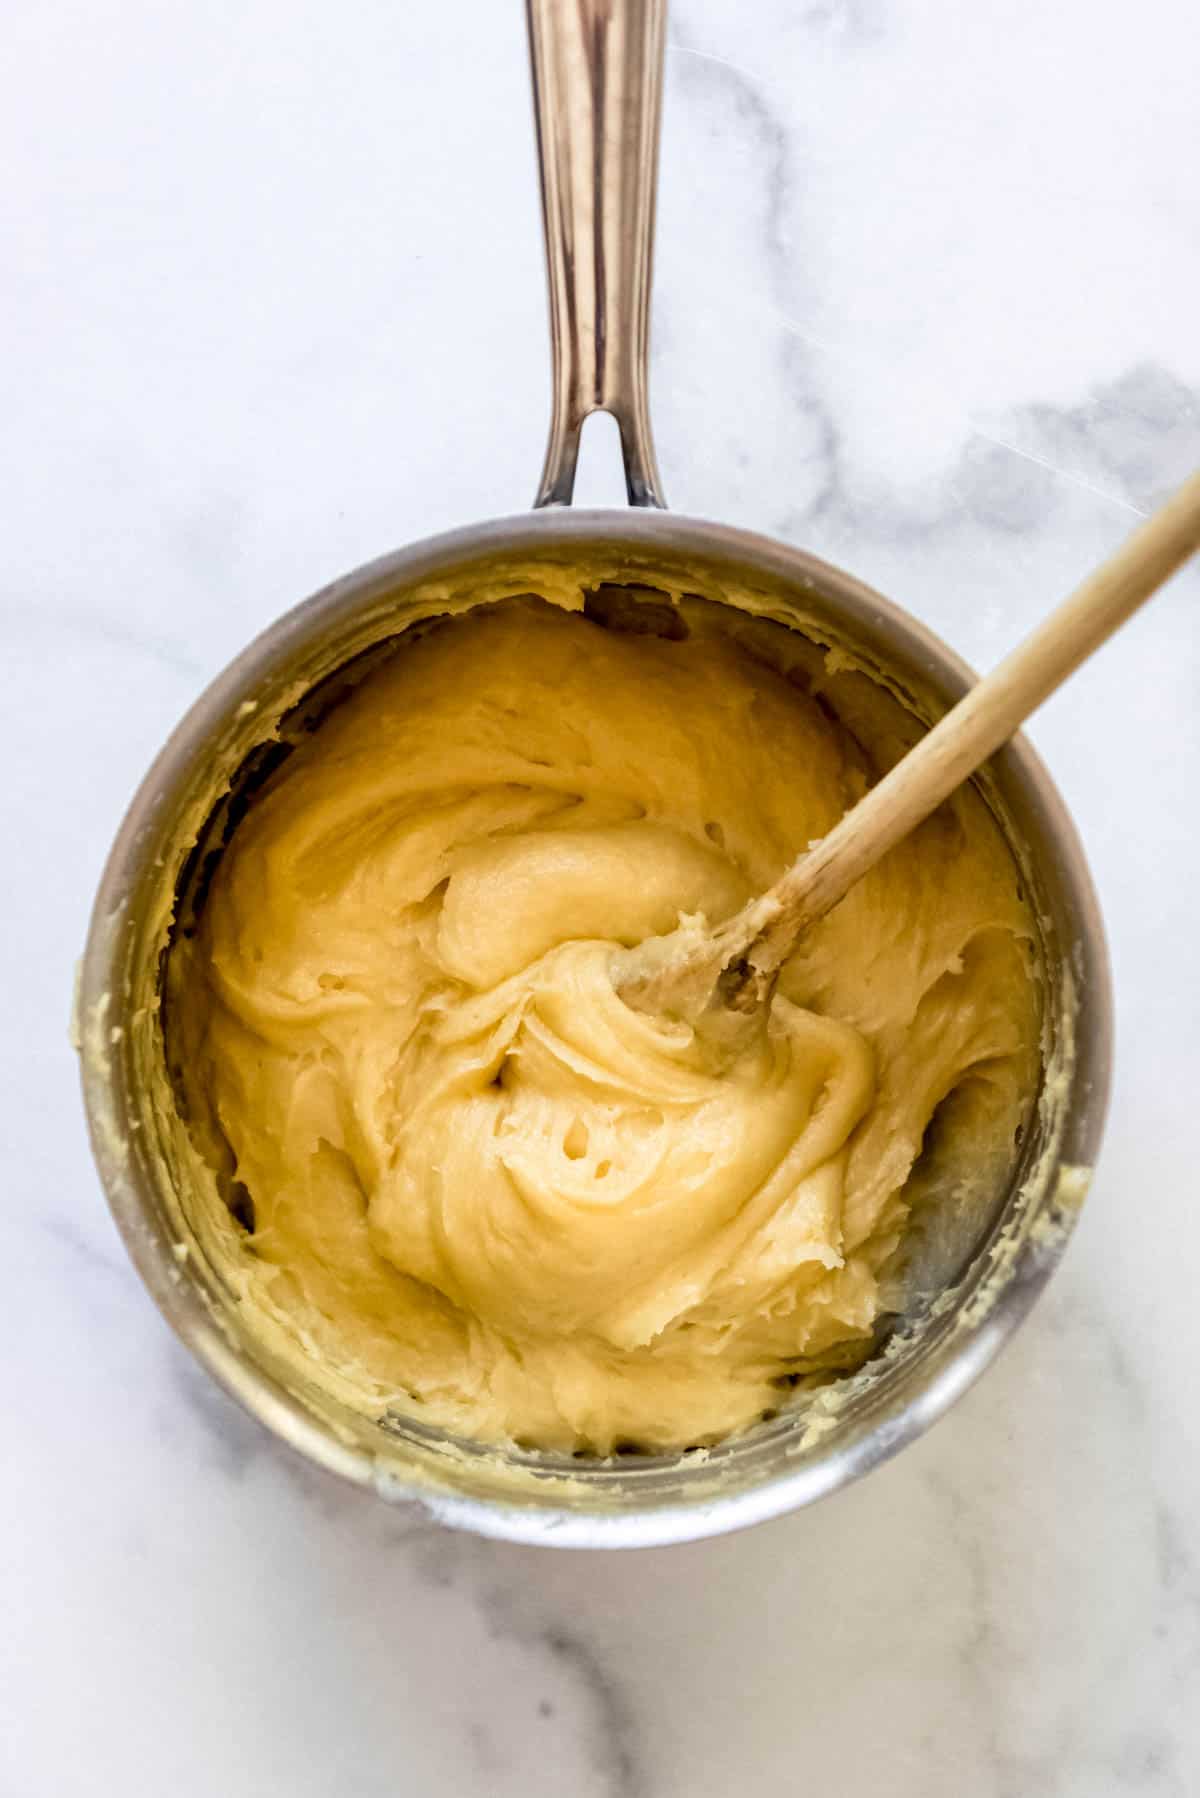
column 475, row 1182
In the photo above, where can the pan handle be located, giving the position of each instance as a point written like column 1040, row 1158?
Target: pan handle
column 597, row 89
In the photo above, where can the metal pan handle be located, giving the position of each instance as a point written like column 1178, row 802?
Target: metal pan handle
column 597, row 89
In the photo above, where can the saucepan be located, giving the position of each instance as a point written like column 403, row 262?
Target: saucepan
column 597, row 72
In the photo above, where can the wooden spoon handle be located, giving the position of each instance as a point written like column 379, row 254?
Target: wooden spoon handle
column 984, row 718
column 738, row 964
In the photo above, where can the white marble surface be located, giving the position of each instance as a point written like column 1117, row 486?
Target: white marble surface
column 927, row 301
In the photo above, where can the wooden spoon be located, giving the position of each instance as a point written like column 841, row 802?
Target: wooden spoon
column 721, row 981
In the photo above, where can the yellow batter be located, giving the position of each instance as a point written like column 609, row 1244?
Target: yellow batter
column 476, row 1183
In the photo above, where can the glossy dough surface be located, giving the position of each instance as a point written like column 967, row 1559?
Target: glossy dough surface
column 478, row 1185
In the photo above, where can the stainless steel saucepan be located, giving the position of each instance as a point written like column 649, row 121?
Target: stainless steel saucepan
column 597, row 71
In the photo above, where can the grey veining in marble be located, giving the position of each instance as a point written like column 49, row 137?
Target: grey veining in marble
column 928, row 282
